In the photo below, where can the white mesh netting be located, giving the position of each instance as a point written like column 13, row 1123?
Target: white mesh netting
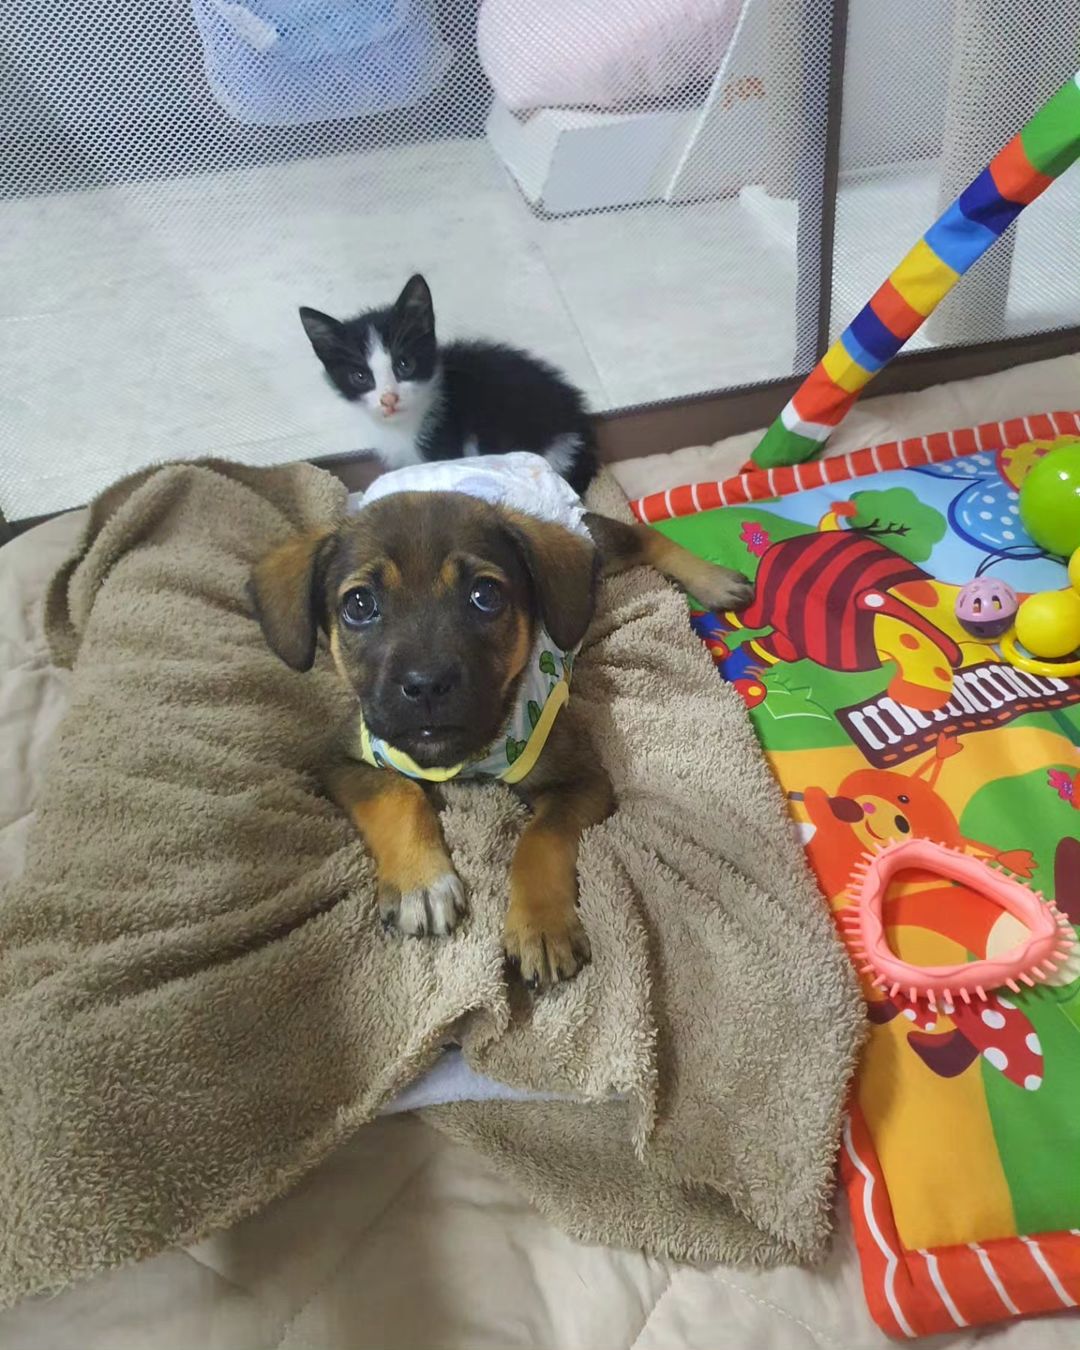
column 617, row 185
column 178, row 176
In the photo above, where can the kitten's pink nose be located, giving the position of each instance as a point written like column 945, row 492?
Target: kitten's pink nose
column 389, row 401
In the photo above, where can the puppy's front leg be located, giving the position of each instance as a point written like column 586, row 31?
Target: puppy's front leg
column 419, row 891
column 543, row 935
column 622, row 546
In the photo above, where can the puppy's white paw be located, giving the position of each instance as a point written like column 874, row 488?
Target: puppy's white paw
column 432, row 909
column 713, row 586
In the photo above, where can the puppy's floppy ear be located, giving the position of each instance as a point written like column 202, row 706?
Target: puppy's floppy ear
column 414, row 305
column 564, row 570
column 285, row 588
column 325, row 334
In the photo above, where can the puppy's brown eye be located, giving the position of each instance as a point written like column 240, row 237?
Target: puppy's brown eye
column 487, row 596
column 359, row 607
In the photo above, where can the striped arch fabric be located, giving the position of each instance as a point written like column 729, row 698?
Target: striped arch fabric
column 1020, row 172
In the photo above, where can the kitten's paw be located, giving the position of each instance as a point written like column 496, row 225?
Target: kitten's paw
column 431, row 909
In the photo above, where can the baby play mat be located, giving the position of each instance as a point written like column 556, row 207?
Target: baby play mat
column 884, row 721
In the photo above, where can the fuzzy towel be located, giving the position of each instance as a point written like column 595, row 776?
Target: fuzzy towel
column 197, row 1001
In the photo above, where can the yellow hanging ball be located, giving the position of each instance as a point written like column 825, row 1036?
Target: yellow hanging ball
column 1048, row 624
column 1074, row 570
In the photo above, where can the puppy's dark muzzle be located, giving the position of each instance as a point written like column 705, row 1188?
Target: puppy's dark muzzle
column 427, row 689
column 429, row 699
column 430, row 709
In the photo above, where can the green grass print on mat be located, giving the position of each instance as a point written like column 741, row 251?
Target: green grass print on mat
column 717, row 535
column 1037, row 1133
column 799, row 710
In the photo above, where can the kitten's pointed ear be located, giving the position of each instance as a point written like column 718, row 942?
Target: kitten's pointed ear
column 415, row 303
column 285, row 588
column 324, row 333
column 564, row 569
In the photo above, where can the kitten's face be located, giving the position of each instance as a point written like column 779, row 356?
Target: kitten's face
column 385, row 359
column 386, row 375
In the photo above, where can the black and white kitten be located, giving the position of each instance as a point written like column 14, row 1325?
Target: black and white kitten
column 424, row 401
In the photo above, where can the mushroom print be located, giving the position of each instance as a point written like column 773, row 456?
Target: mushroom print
column 996, row 1029
column 986, row 510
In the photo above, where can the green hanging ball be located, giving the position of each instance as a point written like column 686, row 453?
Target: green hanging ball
column 1050, row 501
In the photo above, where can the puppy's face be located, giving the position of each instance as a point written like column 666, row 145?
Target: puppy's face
column 431, row 603
column 431, row 617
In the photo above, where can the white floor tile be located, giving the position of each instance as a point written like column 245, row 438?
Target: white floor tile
column 674, row 300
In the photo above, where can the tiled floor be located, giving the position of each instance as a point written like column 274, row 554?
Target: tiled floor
column 159, row 320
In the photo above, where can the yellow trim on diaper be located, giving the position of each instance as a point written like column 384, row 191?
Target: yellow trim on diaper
column 538, row 738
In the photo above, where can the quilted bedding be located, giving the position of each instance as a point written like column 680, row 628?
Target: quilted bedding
column 403, row 1238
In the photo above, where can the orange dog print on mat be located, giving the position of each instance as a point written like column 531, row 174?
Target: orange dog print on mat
column 872, row 807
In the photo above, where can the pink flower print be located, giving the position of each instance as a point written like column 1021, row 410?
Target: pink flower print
column 755, row 537
column 1066, row 786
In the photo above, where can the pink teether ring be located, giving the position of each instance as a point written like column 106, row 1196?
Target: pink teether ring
column 1050, row 935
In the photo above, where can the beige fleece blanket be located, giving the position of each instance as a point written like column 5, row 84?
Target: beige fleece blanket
column 197, row 1001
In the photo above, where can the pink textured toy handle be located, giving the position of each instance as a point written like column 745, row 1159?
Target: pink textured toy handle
column 1050, row 936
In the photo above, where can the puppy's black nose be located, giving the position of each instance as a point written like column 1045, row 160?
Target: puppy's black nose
column 430, row 685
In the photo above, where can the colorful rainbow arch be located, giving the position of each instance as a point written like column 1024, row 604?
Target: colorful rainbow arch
column 1022, row 171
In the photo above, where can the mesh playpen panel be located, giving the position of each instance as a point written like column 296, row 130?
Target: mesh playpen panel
column 949, row 84
column 631, row 188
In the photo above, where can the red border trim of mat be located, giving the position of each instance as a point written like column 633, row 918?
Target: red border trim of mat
column 761, row 484
column 923, row 1293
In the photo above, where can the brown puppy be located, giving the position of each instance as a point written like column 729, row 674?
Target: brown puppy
column 431, row 603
